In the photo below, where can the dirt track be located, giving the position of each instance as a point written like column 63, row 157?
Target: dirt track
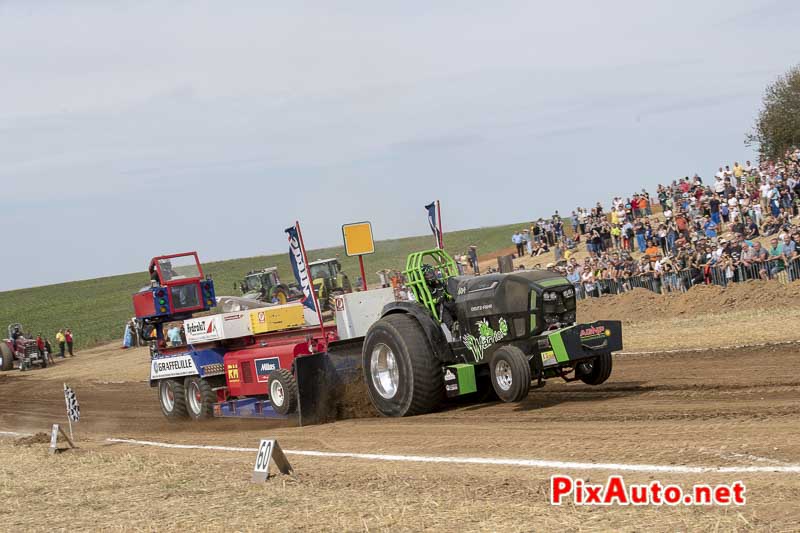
column 718, row 408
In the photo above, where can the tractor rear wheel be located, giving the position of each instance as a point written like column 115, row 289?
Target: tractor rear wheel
column 172, row 397
column 200, row 398
column 6, row 357
column 511, row 374
column 281, row 296
column 282, row 391
column 403, row 377
column 595, row 371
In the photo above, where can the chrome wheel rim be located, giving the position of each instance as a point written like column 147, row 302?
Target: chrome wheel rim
column 167, row 397
column 276, row 394
column 195, row 397
column 384, row 371
column 502, row 375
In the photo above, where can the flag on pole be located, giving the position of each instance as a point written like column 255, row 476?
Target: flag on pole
column 300, row 269
column 433, row 221
column 73, row 407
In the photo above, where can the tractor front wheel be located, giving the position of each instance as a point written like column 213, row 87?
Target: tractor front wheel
column 595, row 371
column 403, row 377
column 6, row 357
column 280, row 296
column 200, row 398
column 511, row 374
column 283, row 391
column 172, row 397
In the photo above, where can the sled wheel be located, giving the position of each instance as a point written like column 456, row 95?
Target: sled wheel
column 6, row 357
column 596, row 371
column 511, row 374
column 283, row 391
column 172, row 397
column 403, row 377
column 200, row 398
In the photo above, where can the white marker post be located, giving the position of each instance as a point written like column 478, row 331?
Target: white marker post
column 269, row 450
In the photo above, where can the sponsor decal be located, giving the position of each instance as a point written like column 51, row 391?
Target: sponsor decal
column 265, row 366
column 451, row 387
column 170, row 367
column 237, row 316
column 202, row 329
column 262, row 317
column 486, row 337
column 462, row 290
column 484, row 307
column 548, row 358
column 449, row 376
column 233, row 373
column 594, row 331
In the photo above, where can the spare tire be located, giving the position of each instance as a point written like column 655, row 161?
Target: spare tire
column 403, row 376
column 6, row 357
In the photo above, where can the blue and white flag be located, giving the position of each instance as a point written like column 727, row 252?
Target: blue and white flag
column 300, row 269
column 433, row 222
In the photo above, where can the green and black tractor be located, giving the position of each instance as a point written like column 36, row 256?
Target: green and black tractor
column 497, row 333
column 265, row 285
column 329, row 281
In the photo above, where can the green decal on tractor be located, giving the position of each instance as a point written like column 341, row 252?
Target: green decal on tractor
column 487, row 337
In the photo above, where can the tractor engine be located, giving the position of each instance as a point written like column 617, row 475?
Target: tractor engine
column 514, row 306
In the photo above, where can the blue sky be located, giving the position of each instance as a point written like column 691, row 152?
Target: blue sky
column 131, row 129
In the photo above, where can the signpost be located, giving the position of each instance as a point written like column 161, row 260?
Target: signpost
column 269, row 450
column 358, row 241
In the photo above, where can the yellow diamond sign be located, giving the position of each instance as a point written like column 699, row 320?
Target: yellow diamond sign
column 358, row 239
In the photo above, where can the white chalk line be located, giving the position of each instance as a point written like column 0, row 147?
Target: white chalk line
column 715, row 348
column 14, row 434
column 530, row 463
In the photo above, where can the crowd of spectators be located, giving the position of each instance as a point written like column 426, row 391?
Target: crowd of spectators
column 705, row 232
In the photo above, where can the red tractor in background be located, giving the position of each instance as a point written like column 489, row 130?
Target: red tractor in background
column 22, row 348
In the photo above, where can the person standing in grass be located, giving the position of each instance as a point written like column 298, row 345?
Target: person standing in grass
column 68, row 338
column 61, row 340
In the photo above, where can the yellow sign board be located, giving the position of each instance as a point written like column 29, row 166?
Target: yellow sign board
column 276, row 318
column 358, row 239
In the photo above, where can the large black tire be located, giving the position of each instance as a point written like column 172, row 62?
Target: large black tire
column 200, row 398
column 596, row 371
column 282, row 391
column 511, row 374
column 403, row 376
column 172, row 398
column 6, row 357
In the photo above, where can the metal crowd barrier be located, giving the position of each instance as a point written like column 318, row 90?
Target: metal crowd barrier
column 683, row 280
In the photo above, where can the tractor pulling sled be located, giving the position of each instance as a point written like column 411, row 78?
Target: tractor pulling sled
column 470, row 337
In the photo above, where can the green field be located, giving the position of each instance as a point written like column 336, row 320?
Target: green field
column 96, row 310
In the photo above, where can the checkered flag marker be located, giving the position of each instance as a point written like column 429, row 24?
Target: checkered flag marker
column 73, row 408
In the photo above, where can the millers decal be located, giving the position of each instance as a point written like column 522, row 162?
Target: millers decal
column 486, row 337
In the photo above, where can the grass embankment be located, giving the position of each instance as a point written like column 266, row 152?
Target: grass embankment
column 97, row 309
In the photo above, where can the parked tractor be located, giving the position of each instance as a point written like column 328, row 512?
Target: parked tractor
column 329, row 281
column 23, row 348
column 265, row 285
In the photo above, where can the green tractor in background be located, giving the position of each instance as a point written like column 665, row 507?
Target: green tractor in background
column 494, row 333
column 266, row 286
column 329, row 281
